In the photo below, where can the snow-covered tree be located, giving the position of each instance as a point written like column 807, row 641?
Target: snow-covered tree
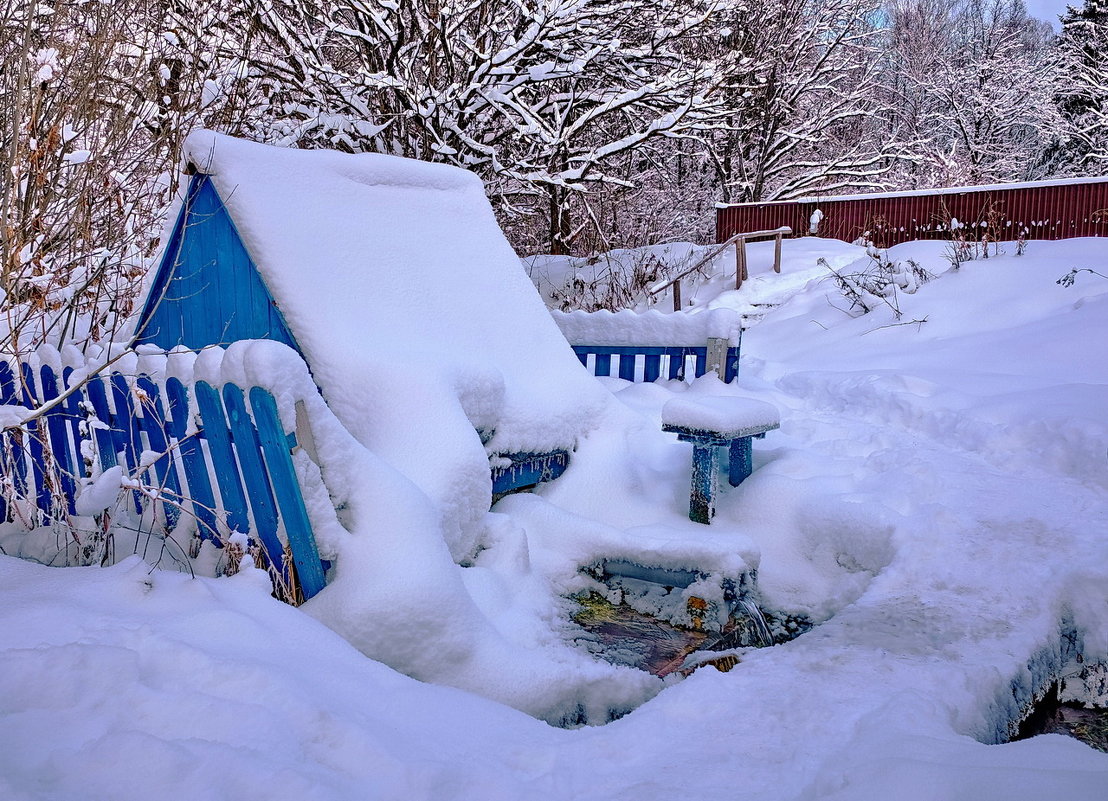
column 971, row 83
column 542, row 97
column 800, row 99
column 1082, row 93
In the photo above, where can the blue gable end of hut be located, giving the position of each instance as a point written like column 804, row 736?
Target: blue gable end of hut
column 207, row 290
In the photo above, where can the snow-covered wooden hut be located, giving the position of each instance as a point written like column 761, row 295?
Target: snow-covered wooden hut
column 392, row 279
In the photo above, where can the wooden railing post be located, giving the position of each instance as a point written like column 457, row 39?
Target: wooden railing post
column 777, row 253
column 740, row 262
column 742, row 271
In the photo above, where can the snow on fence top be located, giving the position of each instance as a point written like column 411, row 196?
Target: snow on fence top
column 630, row 328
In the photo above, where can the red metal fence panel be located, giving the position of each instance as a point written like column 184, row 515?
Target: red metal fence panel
column 1041, row 210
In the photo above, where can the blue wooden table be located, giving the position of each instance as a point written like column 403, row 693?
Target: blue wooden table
column 717, row 422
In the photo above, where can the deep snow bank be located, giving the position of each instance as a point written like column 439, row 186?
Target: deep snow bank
column 940, row 564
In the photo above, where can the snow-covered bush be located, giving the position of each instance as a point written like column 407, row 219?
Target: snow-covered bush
column 876, row 283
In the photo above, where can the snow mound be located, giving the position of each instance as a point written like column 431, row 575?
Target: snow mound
column 653, row 327
column 411, row 308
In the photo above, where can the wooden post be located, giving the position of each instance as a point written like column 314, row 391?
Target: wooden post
column 717, row 357
column 740, row 263
column 777, row 254
column 677, row 295
column 304, row 437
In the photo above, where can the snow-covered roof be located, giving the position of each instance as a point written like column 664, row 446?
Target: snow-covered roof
column 413, row 311
column 953, row 190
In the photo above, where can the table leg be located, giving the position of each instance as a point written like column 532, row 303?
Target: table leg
column 702, row 501
column 741, row 463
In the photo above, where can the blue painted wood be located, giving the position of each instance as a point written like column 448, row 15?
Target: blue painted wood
column 7, row 384
column 701, row 363
column 705, row 442
column 676, row 363
column 107, row 449
column 64, row 462
column 527, row 470
column 702, row 498
column 620, row 350
column 34, row 442
column 248, row 450
column 731, row 368
column 740, row 462
column 8, row 448
column 200, row 494
column 298, row 528
column 667, row 577
column 652, row 360
column 125, row 429
column 15, row 464
column 165, row 471
column 627, row 367
column 222, row 455
column 74, row 415
column 207, row 290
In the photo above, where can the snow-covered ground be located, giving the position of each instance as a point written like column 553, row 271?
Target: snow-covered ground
column 936, row 500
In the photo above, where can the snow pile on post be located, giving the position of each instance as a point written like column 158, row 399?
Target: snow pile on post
column 411, row 308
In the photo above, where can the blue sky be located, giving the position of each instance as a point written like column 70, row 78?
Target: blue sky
column 1049, row 9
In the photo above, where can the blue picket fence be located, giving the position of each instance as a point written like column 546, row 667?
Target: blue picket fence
column 222, row 456
column 648, row 363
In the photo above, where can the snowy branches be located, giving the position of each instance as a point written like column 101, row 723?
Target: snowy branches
column 594, row 123
column 88, row 147
column 801, row 110
column 972, row 83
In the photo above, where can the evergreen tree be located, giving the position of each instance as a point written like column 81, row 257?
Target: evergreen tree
column 1082, row 94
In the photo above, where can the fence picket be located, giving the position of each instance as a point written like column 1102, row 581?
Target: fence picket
column 223, row 457
column 73, row 417
column 676, row 363
column 247, row 448
column 6, row 460
column 297, row 527
column 34, row 442
column 106, row 441
column 164, row 468
column 125, row 428
column 254, row 476
column 59, row 444
column 627, row 366
column 200, row 493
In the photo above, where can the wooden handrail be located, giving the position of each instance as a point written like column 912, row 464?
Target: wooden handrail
column 739, row 240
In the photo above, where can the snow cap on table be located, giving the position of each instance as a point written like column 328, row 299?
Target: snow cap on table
column 720, row 413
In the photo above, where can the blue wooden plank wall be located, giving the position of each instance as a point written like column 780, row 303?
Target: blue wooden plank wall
column 207, row 290
column 645, row 362
column 232, row 472
column 526, row 470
